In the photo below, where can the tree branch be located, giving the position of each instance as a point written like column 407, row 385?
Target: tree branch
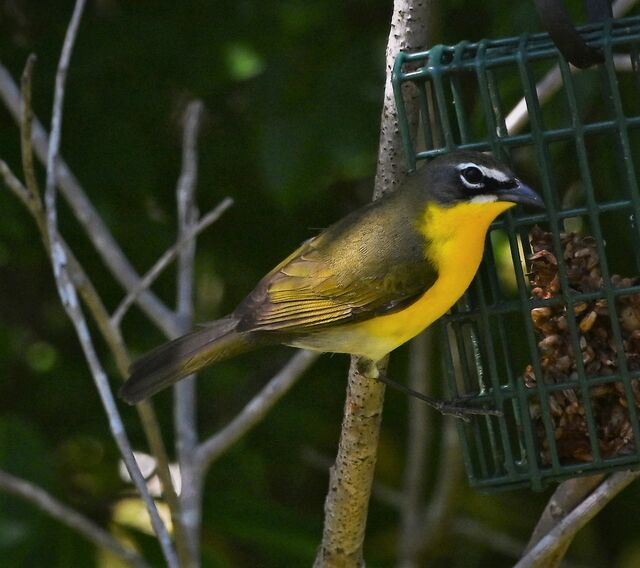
column 112, row 336
column 352, row 475
column 554, row 544
column 87, row 215
column 68, row 292
column 26, row 144
column 69, row 517
column 257, row 408
column 565, row 498
column 30, row 196
column 169, row 255
column 185, row 390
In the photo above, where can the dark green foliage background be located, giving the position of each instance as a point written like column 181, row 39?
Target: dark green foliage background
column 293, row 92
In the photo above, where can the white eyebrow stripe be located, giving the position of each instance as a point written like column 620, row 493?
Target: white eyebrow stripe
column 495, row 174
column 484, row 198
column 487, row 172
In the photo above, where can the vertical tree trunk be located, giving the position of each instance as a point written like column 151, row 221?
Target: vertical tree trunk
column 351, row 477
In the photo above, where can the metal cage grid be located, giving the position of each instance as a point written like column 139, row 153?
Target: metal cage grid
column 489, row 338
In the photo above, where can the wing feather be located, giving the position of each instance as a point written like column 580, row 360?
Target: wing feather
column 369, row 263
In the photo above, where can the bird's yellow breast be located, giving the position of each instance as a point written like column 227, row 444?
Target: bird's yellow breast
column 455, row 241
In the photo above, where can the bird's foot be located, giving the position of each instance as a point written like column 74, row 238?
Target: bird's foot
column 458, row 407
column 462, row 407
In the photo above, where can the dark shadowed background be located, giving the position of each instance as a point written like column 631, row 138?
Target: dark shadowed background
column 293, row 92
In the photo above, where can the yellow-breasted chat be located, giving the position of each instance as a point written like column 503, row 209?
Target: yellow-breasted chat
column 366, row 284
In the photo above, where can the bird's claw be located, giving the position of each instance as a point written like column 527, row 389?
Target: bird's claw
column 460, row 408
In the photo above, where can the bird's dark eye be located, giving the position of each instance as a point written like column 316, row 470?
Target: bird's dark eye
column 472, row 175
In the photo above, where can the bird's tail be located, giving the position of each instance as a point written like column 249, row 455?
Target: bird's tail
column 181, row 357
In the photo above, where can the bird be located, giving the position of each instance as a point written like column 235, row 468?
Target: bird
column 366, row 284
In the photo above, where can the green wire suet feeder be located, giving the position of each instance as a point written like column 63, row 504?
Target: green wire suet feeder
column 549, row 332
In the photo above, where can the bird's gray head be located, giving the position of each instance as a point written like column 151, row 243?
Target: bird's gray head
column 465, row 176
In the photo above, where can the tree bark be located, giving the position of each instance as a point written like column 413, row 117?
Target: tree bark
column 351, row 477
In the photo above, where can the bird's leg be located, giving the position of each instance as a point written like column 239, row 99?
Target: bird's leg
column 457, row 407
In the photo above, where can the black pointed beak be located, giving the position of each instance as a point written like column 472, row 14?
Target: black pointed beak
column 521, row 194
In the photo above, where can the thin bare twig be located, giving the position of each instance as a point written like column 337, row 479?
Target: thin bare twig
column 187, row 212
column 565, row 498
column 547, row 87
column 256, row 409
column 85, row 212
column 30, row 196
column 185, row 390
column 111, row 335
column 544, row 552
column 113, row 338
column 145, row 409
column 169, row 255
column 351, row 478
column 68, row 292
column 58, row 257
column 69, row 517
column 14, row 184
column 495, row 540
column 26, row 145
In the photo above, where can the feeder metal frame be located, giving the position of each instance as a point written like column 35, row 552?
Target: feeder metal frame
column 503, row 452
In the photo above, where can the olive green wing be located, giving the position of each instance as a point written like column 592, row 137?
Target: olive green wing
column 370, row 263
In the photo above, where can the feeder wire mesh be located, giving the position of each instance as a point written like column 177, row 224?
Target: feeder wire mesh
column 493, row 347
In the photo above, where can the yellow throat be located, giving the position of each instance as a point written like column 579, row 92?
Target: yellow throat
column 455, row 237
